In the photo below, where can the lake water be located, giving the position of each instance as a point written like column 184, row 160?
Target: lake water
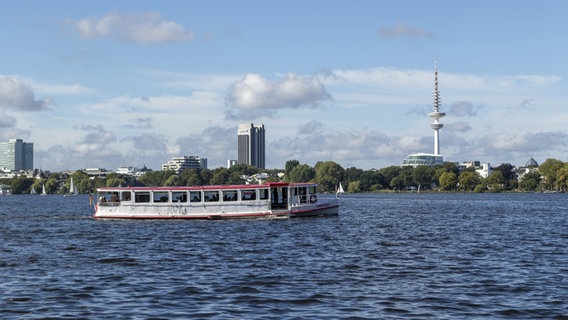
column 386, row 256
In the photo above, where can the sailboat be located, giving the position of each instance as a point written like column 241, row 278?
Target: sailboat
column 339, row 190
column 43, row 193
column 33, row 191
column 72, row 189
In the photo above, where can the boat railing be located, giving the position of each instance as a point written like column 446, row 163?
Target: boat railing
column 109, row 203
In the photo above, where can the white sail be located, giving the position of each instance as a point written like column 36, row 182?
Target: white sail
column 33, row 191
column 43, row 193
column 339, row 190
column 72, row 189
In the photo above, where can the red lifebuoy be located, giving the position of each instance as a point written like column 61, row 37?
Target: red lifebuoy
column 313, row 198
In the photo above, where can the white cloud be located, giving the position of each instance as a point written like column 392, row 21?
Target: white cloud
column 17, row 95
column 255, row 96
column 146, row 28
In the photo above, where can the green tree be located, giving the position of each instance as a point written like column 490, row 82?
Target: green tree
column 371, row 180
column 530, row 181
column 353, row 187
column 191, row 177
column 495, row 182
column 397, row 183
column 389, row 173
column 288, row 167
column 352, row 174
column 155, row 178
column 509, row 175
column 220, row 176
column 548, row 170
column 302, row 173
column 422, row 176
column 173, row 180
column 206, row 176
column 21, row 185
column 562, row 178
column 51, row 186
column 115, row 182
column 468, row 180
column 235, row 178
column 448, row 181
column 328, row 175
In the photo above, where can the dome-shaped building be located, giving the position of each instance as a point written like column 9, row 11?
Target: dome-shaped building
column 531, row 163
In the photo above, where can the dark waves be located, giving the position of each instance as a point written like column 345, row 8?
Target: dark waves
column 385, row 257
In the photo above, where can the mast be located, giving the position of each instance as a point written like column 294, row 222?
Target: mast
column 436, row 114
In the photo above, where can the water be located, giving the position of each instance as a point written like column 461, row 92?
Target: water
column 387, row 256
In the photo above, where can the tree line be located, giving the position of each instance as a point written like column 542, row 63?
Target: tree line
column 552, row 175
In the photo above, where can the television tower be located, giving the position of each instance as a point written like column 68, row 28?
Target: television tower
column 436, row 114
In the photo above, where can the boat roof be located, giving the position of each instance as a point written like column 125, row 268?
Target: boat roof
column 213, row 187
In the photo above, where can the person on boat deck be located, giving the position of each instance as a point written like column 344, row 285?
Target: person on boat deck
column 102, row 199
column 114, row 197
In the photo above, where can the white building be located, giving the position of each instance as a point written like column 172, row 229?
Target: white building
column 423, row 159
column 179, row 164
column 485, row 170
column 231, row 163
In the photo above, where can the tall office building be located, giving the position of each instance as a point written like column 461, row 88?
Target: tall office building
column 251, row 145
column 16, row 155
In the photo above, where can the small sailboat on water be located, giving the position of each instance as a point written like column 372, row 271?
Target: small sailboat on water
column 72, row 189
column 339, row 190
column 43, row 193
column 33, row 191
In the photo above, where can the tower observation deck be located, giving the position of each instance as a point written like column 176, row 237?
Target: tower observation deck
column 436, row 114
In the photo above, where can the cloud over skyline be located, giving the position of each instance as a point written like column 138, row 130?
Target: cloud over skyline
column 144, row 28
column 17, row 95
column 255, row 96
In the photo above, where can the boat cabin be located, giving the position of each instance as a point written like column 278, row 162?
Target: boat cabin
column 281, row 196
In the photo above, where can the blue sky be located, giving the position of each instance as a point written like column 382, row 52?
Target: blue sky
column 132, row 83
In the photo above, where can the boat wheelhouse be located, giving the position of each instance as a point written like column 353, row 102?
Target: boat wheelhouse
column 270, row 200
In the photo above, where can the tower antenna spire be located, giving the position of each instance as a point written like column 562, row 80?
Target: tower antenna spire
column 436, row 114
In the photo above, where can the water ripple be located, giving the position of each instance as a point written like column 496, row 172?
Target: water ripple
column 387, row 256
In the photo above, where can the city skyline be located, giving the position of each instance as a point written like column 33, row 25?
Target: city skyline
column 134, row 83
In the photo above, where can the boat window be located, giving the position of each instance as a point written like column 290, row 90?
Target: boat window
column 195, row 196
column 126, row 196
column 229, row 195
column 263, row 194
column 160, row 196
column 142, row 196
column 211, row 196
column 179, row 196
column 313, row 190
column 248, row 194
column 300, row 193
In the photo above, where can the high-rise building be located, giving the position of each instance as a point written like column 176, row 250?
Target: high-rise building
column 16, row 155
column 251, row 145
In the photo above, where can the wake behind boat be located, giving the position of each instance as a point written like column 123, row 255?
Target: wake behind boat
column 270, row 200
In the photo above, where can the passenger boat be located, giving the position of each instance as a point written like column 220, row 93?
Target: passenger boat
column 270, row 200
